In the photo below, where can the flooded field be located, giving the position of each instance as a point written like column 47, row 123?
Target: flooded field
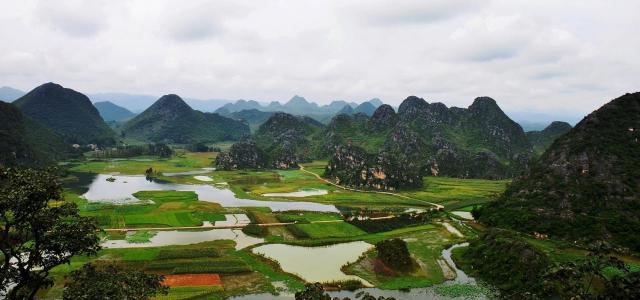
column 316, row 264
column 119, row 189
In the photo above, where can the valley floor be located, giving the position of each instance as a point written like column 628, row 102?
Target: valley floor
column 185, row 222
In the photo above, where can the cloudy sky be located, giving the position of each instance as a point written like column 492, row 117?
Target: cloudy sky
column 537, row 56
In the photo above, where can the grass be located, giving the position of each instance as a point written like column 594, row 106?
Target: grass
column 291, row 216
column 168, row 209
column 425, row 247
column 455, row 193
column 137, row 165
column 142, row 236
column 330, row 230
column 174, row 208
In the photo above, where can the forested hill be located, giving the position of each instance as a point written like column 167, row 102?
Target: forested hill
column 431, row 139
column 478, row 141
column 66, row 112
column 24, row 142
column 541, row 140
column 282, row 142
column 586, row 185
column 171, row 120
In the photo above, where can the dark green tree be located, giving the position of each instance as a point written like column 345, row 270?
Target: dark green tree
column 395, row 254
column 577, row 280
column 37, row 232
column 111, row 283
column 313, row 291
column 622, row 287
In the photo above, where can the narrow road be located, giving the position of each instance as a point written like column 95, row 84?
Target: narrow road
column 437, row 206
column 235, row 226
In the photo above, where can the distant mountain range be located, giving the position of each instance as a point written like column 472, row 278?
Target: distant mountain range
column 9, row 94
column 113, row 113
column 298, row 105
column 136, row 103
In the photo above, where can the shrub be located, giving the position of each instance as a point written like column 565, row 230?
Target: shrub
column 255, row 230
column 381, row 225
column 297, row 231
column 349, row 285
column 395, row 254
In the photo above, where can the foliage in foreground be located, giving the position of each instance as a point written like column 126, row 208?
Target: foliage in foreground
column 110, row 283
column 38, row 233
column 315, row 291
column 532, row 275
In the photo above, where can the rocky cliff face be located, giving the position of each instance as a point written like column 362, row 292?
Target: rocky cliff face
column 352, row 166
column 286, row 139
column 586, row 185
column 476, row 142
column 242, row 155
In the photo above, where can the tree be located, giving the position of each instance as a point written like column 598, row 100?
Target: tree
column 313, row 291
column 111, row 283
column 38, row 233
column 395, row 254
column 577, row 279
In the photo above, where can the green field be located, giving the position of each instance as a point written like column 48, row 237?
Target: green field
column 241, row 271
column 168, row 209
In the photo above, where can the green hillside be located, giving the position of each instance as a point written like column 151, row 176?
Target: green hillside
column 171, row 120
column 67, row 113
column 586, row 186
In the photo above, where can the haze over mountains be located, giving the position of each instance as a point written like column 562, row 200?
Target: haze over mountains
column 137, row 103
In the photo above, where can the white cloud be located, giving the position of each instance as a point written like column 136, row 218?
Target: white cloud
column 542, row 55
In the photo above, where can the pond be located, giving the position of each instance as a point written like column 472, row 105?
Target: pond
column 299, row 194
column 428, row 293
column 176, row 237
column 122, row 187
column 463, row 214
column 316, row 264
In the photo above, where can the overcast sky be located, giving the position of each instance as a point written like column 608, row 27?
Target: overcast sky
column 547, row 56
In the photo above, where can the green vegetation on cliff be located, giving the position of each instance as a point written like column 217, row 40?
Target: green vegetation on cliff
column 586, row 186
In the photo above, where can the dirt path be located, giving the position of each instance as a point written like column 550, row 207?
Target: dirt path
column 437, row 206
column 236, row 226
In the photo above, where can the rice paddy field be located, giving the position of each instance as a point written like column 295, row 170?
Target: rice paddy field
column 225, row 265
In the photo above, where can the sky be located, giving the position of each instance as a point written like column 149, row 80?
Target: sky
column 548, row 56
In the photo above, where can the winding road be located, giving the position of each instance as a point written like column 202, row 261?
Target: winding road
column 437, row 206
